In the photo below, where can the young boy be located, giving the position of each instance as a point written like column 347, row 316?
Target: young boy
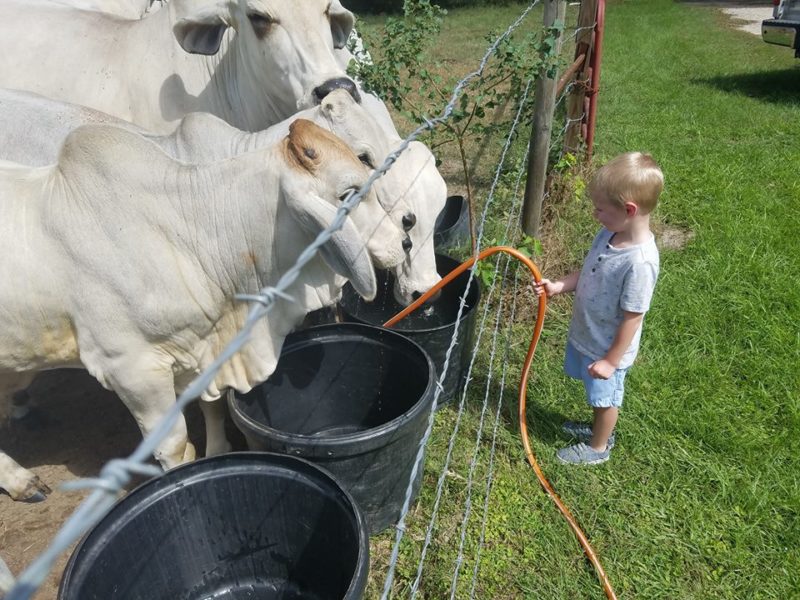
column 612, row 293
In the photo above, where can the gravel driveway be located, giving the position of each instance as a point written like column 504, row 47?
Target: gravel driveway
column 748, row 18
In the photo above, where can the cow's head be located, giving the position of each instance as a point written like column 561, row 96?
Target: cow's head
column 322, row 172
column 281, row 56
column 357, row 128
column 426, row 192
column 412, row 192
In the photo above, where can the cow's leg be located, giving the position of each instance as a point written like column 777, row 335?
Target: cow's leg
column 25, row 412
column 20, row 483
column 14, row 399
column 20, row 404
column 148, row 391
column 214, row 416
column 6, row 578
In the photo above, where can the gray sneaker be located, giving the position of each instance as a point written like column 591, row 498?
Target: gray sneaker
column 583, row 432
column 583, row 454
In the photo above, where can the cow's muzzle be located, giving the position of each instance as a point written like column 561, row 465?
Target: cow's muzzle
column 334, row 84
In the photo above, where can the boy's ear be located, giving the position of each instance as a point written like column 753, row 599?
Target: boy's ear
column 631, row 209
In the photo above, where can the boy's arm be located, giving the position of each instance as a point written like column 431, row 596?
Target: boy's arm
column 605, row 367
column 562, row 286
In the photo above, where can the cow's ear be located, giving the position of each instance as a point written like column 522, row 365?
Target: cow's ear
column 200, row 33
column 345, row 252
column 342, row 23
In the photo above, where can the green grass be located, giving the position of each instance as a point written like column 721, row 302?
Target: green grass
column 701, row 497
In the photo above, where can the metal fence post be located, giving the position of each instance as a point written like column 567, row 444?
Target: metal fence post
column 544, row 106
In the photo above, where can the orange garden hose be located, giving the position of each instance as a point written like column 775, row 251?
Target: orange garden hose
column 523, row 388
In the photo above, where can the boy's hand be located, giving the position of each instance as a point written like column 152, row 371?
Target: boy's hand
column 601, row 369
column 549, row 288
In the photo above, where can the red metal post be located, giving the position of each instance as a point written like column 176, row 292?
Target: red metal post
column 595, row 61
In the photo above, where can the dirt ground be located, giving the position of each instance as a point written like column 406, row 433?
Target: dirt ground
column 85, row 426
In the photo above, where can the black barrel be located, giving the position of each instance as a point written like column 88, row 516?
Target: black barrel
column 237, row 526
column 452, row 229
column 431, row 326
column 353, row 399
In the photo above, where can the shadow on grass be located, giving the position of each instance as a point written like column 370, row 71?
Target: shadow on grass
column 544, row 424
column 779, row 86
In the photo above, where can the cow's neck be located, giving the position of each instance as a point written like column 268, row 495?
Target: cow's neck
column 215, row 213
column 247, row 142
column 235, row 202
column 236, row 93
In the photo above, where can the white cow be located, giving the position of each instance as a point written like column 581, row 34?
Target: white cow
column 250, row 62
column 124, row 261
column 426, row 186
column 32, row 129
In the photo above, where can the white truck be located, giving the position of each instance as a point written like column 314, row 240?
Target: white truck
column 783, row 28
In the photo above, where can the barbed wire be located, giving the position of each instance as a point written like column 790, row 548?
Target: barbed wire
column 400, row 527
column 444, row 470
column 513, row 222
column 504, row 261
column 492, row 451
column 440, row 483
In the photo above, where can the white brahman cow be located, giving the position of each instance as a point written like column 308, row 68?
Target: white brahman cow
column 426, row 185
column 32, row 129
column 124, row 261
column 252, row 63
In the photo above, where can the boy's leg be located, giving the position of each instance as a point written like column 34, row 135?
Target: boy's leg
column 605, row 418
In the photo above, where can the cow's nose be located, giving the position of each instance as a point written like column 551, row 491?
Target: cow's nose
column 334, row 84
column 416, row 295
column 407, row 245
column 409, row 220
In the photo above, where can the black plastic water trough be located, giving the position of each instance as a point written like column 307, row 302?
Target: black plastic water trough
column 246, row 525
column 452, row 229
column 352, row 398
column 431, row 326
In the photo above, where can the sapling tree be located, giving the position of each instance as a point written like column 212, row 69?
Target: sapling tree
column 405, row 75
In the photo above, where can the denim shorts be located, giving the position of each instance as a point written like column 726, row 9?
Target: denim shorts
column 600, row 393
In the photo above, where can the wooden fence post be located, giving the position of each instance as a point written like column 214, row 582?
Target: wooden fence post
column 576, row 105
column 544, row 106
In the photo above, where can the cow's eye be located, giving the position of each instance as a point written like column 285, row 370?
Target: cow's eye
column 261, row 24
column 366, row 160
column 349, row 192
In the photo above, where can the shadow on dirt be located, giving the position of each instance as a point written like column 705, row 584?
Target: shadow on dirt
column 82, row 425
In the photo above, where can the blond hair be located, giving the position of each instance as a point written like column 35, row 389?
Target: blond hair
column 630, row 177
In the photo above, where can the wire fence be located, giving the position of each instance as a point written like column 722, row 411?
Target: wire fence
column 116, row 474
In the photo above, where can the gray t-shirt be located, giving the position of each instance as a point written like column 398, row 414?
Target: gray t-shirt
column 612, row 280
